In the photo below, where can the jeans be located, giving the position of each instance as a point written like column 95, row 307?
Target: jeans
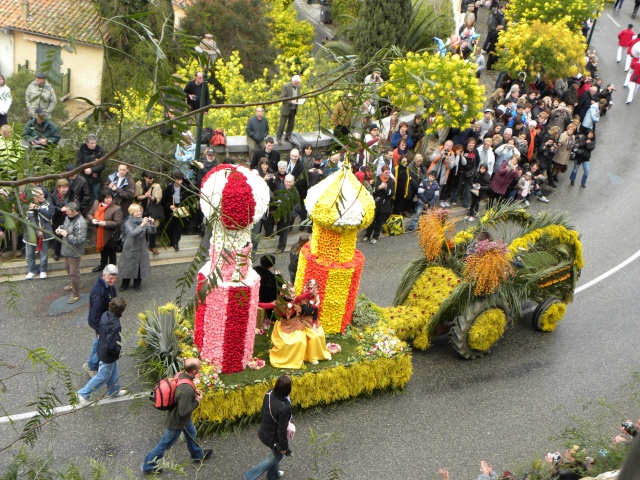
column 269, row 465
column 585, row 173
column 420, row 206
column 95, row 190
column 169, row 437
column 30, row 252
column 93, row 356
column 108, row 374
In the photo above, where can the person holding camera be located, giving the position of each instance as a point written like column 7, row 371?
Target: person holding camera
column 74, row 234
column 134, row 259
column 273, row 432
column 39, row 216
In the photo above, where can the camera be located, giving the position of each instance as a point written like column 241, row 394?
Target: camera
column 629, row 427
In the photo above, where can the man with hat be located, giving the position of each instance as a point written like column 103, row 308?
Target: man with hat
column 39, row 216
column 74, row 235
column 40, row 131
column 206, row 165
column 486, row 122
column 40, row 94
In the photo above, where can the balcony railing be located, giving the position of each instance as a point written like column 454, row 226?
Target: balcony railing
column 61, row 82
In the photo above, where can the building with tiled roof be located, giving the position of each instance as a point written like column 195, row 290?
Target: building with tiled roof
column 179, row 10
column 34, row 31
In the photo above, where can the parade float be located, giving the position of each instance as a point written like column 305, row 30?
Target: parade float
column 472, row 287
column 224, row 334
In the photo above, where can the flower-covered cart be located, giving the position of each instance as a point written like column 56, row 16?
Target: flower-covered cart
column 472, row 287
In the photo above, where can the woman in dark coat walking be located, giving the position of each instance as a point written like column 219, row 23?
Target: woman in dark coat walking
column 134, row 259
column 276, row 415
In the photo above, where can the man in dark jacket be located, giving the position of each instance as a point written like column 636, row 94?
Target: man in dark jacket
column 123, row 188
column 383, row 191
column 109, row 346
column 178, row 421
column 257, row 130
column 78, row 185
column 101, row 294
column 40, row 131
column 90, row 151
column 428, row 195
column 194, row 92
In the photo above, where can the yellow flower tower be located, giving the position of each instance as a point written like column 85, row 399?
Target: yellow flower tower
column 339, row 206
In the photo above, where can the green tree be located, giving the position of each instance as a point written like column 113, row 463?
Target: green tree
column 381, row 24
column 552, row 11
column 241, row 25
column 538, row 47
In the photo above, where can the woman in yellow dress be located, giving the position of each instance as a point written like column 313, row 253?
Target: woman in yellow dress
column 316, row 349
column 288, row 336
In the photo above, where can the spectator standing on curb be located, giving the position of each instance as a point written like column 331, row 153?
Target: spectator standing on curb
column 40, row 215
column 74, row 233
column 428, row 194
column 40, row 94
column 480, row 184
column 149, row 196
column 383, row 192
column 78, row 185
column 101, row 294
column 178, row 421
column 122, row 187
column 5, row 100
column 585, row 144
column 288, row 109
column 175, row 212
column 109, row 347
column 60, row 197
column 106, row 217
column 90, row 151
column 257, row 130
column 134, row 259
column 276, row 415
column 267, row 152
column 341, row 117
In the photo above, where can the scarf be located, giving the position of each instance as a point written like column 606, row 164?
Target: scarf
column 99, row 215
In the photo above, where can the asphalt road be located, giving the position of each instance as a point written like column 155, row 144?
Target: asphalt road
column 504, row 408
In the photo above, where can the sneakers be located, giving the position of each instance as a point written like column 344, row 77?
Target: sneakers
column 373, row 240
column 280, row 473
column 442, row 204
column 365, row 239
column 68, row 288
column 155, row 471
column 92, row 373
column 472, row 219
column 82, row 402
column 120, row 393
column 526, row 203
column 30, row 276
column 208, row 454
column 410, row 228
column 72, row 300
column 543, row 199
column 43, row 275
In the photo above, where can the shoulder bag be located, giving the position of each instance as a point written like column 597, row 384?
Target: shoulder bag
column 291, row 428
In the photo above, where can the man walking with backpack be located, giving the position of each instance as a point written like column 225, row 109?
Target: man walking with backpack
column 178, row 421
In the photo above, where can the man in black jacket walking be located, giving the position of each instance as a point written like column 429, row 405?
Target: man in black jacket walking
column 109, row 346
column 179, row 421
column 101, row 294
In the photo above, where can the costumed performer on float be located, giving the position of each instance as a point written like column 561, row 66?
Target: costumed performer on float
column 316, row 349
column 288, row 335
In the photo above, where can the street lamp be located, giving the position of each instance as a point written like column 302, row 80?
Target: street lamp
column 207, row 54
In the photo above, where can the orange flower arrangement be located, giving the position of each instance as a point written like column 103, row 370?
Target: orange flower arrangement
column 434, row 227
column 487, row 265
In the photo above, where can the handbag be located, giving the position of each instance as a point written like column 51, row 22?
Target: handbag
column 181, row 212
column 155, row 211
column 394, row 225
column 116, row 241
column 291, row 428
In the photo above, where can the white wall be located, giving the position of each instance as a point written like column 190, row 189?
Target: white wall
column 7, row 65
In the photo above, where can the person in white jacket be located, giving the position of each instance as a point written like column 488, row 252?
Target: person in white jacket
column 5, row 101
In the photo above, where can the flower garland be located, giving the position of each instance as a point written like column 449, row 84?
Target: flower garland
column 550, row 318
column 340, row 202
column 488, row 327
column 487, row 265
column 555, row 232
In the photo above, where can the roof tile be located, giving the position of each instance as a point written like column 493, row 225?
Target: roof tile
column 55, row 18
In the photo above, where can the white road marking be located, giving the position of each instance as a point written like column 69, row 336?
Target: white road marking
column 611, row 18
column 608, row 273
column 70, row 408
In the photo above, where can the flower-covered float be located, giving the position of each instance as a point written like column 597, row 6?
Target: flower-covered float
column 366, row 357
column 472, row 287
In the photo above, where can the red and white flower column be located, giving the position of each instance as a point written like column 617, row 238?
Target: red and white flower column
column 233, row 198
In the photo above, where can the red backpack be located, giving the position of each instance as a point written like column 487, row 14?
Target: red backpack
column 163, row 396
column 218, row 138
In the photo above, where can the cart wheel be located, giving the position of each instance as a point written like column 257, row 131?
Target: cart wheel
column 547, row 314
column 478, row 329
